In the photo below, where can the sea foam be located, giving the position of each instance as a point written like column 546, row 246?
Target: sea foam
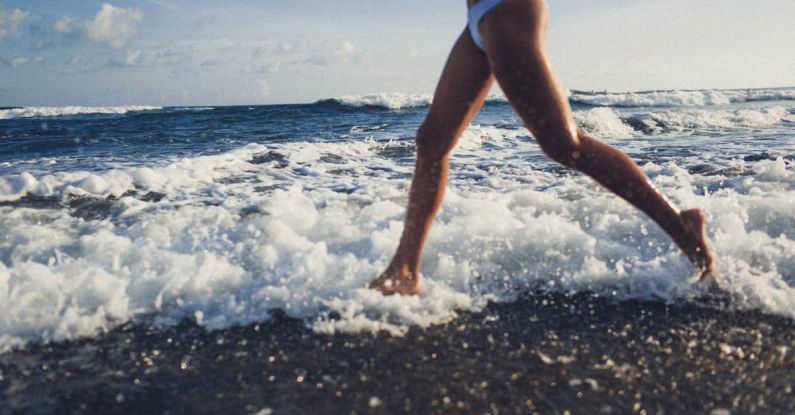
column 235, row 235
column 603, row 123
column 36, row 112
column 679, row 98
column 679, row 120
column 393, row 100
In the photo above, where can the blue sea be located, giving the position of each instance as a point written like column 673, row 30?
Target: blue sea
column 153, row 215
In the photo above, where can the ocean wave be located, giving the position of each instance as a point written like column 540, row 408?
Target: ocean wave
column 303, row 226
column 680, row 98
column 193, row 109
column 607, row 123
column 390, row 101
column 36, row 112
column 670, row 98
column 711, row 120
column 604, row 123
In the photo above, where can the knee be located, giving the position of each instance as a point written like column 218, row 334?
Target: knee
column 432, row 143
column 564, row 150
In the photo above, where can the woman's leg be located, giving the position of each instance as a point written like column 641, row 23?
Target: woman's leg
column 513, row 34
column 463, row 87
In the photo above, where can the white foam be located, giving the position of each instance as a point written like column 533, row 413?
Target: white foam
column 395, row 100
column 711, row 120
column 778, row 170
column 654, row 98
column 232, row 240
column 677, row 98
column 604, row 123
column 35, row 112
column 778, row 94
column 475, row 136
column 670, row 98
column 194, row 109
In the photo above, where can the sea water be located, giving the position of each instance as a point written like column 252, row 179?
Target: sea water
column 223, row 214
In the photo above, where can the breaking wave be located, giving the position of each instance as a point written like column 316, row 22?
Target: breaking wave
column 302, row 227
column 680, row 98
column 36, row 112
column 678, row 120
column 672, row 98
column 389, row 101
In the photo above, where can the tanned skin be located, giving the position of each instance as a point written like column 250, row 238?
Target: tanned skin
column 516, row 57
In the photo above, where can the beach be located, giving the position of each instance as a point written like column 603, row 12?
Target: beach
column 208, row 259
column 205, row 206
column 544, row 353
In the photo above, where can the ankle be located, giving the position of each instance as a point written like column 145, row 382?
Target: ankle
column 403, row 268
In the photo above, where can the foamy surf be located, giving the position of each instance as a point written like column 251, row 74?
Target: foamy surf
column 681, row 98
column 392, row 100
column 302, row 227
column 647, row 99
column 36, row 112
column 714, row 120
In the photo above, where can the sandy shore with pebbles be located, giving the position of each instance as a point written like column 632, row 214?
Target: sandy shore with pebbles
column 545, row 353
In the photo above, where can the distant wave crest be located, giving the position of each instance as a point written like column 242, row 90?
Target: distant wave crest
column 680, row 98
column 36, row 112
column 608, row 123
column 389, row 101
column 709, row 120
column 671, row 98
column 604, row 123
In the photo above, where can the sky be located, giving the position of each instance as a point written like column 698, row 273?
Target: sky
column 201, row 52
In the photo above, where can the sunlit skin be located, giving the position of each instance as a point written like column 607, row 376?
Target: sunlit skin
column 514, row 38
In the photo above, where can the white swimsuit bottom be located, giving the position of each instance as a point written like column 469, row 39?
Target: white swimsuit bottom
column 475, row 14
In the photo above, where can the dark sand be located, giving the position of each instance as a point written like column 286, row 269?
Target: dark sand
column 544, row 353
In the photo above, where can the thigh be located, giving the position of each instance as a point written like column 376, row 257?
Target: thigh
column 514, row 40
column 462, row 89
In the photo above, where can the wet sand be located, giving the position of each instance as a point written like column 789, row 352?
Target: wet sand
column 545, row 353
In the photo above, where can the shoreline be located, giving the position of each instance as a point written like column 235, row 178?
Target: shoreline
column 544, row 353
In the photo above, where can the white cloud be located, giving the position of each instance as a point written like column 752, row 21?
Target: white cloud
column 64, row 25
column 345, row 52
column 20, row 61
column 347, row 48
column 186, row 53
column 268, row 56
column 11, row 20
column 132, row 56
column 112, row 25
column 80, row 63
column 17, row 61
column 270, row 67
column 172, row 55
column 272, row 47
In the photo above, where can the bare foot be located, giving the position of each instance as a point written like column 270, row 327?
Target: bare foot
column 397, row 281
column 695, row 246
